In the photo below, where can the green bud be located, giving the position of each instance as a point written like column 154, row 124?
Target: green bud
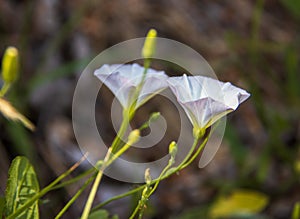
column 173, row 148
column 133, row 137
column 150, row 44
column 10, row 65
column 154, row 116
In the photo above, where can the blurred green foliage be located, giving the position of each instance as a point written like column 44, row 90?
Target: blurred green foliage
column 293, row 6
column 296, row 211
column 2, row 205
column 239, row 203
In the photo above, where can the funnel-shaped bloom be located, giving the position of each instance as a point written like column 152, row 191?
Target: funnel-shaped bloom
column 205, row 100
column 123, row 81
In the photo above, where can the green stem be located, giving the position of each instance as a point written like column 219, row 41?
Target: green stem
column 44, row 191
column 178, row 168
column 118, row 197
column 125, row 194
column 118, row 154
column 128, row 114
column 187, row 157
column 74, row 198
column 75, row 179
column 196, row 154
column 182, row 164
column 90, row 200
column 141, row 202
column 109, row 158
column 92, row 195
column 120, row 135
column 134, row 98
column 160, row 178
column 114, row 149
column 141, row 213
column 135, row 211
column 4, row 89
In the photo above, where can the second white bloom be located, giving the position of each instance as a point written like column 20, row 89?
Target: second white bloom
column 205, row 100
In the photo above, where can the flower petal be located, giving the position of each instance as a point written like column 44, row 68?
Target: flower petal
column 205, row 100
column 123, row 81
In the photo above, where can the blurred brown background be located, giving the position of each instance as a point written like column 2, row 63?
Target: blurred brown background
column 253, row 44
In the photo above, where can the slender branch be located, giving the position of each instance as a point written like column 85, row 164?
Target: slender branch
column 89, row 202
column 4, row 89
column 73, row 199
column 173, row 170
column 187, row 157
column 109, row 158
column 125, row 194
column 75, row 179
column 127, row 116
column 148, row 194
column 196, row 154
column 120, row 135
column 136, row 210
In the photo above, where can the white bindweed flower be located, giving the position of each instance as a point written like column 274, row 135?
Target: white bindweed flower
column 205, row 100
column 123, row 81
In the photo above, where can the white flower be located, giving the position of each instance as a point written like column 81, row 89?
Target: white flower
column 205, row 100
column 123, row 81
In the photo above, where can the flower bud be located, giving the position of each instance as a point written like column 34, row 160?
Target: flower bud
column 154, row 116
column 10, row 65
column 133, row 137
column 148, row 178
column 173, row 149
column 150, row 44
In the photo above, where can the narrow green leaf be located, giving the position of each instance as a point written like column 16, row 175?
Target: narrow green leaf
column 22, row 185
